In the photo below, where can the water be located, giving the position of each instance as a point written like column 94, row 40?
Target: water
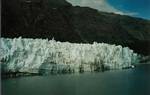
column 120, row 82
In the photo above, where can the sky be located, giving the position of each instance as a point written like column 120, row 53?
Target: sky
column 136, row 8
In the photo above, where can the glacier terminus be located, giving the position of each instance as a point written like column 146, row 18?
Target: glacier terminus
column 49, row 56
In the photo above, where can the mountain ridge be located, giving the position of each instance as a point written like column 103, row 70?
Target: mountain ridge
column 64, row 22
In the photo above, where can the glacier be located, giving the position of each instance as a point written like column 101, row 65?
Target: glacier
column 47, row 56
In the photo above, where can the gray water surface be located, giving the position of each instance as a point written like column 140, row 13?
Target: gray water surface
column 120, row 82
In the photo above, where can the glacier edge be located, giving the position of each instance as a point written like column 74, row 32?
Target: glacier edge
column 44, row 56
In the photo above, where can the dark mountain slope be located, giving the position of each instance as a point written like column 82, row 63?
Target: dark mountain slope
column 59, row 19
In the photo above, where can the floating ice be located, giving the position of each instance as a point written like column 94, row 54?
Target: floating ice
column 43, row 56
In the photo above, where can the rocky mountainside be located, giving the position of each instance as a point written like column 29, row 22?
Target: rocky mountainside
column 64, row 22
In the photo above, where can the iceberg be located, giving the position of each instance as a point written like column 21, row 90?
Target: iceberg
column 50, row 56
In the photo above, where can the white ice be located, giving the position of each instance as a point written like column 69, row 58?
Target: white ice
column 33, row 55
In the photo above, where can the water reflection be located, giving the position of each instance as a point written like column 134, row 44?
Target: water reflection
column 124, row 82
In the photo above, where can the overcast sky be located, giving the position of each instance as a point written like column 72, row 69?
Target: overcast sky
column 138, row 8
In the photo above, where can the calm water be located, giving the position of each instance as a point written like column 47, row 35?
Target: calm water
column 120, row 82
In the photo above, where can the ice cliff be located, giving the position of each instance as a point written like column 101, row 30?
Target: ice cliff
column 44, row 56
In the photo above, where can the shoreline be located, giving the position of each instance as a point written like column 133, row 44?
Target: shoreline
column 9, row 75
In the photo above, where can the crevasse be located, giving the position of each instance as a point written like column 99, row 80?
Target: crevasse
column 44, row 56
